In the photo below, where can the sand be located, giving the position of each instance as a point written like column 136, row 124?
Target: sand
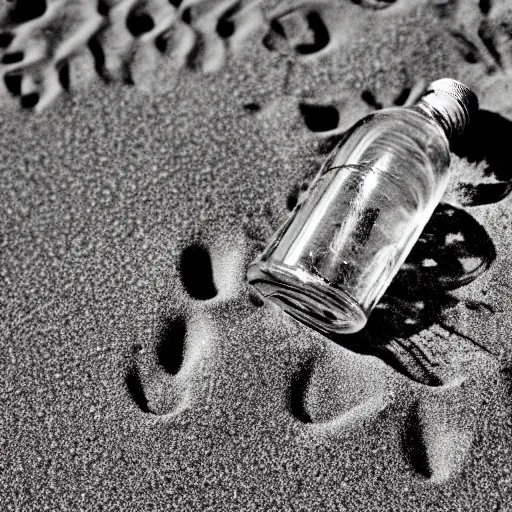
column 153, row 151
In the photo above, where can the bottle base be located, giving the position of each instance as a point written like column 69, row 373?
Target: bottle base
column 307, row 298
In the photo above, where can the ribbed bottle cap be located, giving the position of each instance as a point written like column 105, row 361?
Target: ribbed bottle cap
column 454, row 102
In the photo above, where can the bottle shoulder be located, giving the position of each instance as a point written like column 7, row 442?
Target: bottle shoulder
column 398, row 127
column 404, row 119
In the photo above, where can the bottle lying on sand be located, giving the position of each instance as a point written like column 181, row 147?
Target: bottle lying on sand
column 332, row 260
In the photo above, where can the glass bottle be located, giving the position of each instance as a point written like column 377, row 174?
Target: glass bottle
column 333, row 258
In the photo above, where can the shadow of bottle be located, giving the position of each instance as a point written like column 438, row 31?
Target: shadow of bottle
column 485, row 141
column 453, row 250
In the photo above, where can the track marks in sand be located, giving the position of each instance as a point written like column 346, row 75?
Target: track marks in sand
column 434, row 428
column 132, row 41
column 39, row 40
column 163, row 37
column 126, row 40
column 172, row 374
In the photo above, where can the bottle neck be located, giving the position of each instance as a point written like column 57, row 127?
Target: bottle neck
column 446, row 111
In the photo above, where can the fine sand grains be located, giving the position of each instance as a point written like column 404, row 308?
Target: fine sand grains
column 168, row 142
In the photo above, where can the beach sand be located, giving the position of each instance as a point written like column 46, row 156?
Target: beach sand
column 149, row 150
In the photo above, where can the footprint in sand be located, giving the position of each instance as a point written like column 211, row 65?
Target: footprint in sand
column 337, row 391
column 176, row 371
column 309, row 30
column 301, row 31
column 160, row 382
column 166, row 380
column 440, row 429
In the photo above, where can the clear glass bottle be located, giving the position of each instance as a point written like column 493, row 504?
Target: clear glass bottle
column 333, row 258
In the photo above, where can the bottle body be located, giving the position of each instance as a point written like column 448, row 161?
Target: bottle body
column 334, row 257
